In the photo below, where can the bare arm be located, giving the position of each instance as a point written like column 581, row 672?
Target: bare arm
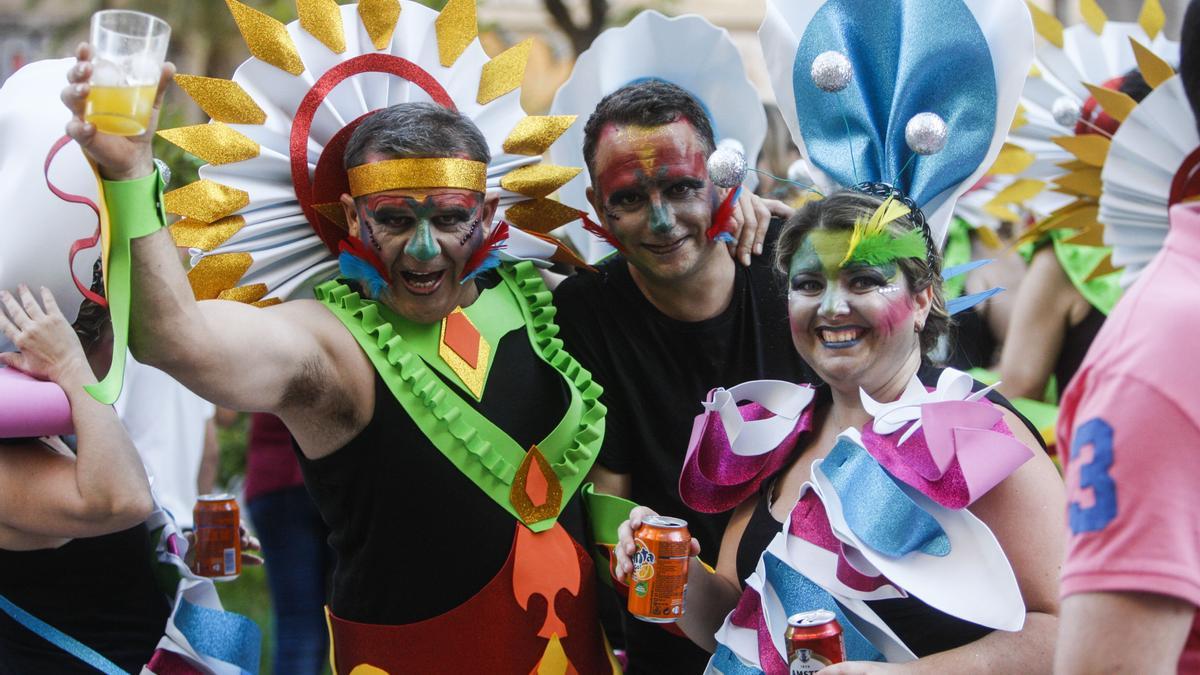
column 47, row 494
column 227, row 352
column 210, row 459
column 611, row 482
column 1045, row 307
column 1122, row 633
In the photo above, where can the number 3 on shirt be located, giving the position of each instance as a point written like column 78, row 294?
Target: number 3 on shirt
column 1098, row 434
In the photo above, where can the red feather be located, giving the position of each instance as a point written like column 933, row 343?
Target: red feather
column 590, row 226
column 497, row 240
column 357, row 248
column 723, row 220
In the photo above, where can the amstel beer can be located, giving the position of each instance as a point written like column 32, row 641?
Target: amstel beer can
column 814, row 640
column 218, row 537
column 660, row 568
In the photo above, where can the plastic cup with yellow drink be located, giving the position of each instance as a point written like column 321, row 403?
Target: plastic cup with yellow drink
column 129, row 49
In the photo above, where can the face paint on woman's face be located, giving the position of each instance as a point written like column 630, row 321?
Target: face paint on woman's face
column 845, row 319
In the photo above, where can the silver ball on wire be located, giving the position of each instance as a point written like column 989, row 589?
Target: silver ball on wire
column 727, row 167
column 831, row 71
column 926, row 133
column 1066, row 111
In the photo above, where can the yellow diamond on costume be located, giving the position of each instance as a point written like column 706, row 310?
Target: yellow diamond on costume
column 333, row 212
column 1084, row 183
column 504, row 73
column 535, row 493
column 267, row 303
column 189, row 233
column 215, row 143
column 1046, row 24
column 1013, row 159
column 1152, row 18
column 322, row 19
column 1105, row 267
column 1093, row 15
column 540, row 215
column 465, row 350
column 247, row 294
column 1117, row 104
column 205, row 200
column 1092, row 236
column 1091, row 149
column 456, row 27
column 222, row 100
column 215, row 274
column 379, row 17
column 1154, row 69
column 538, row 180
column 534, row 134
column 266, row 38
column 554, row 660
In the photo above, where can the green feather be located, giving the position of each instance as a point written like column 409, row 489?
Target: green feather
column 883, row 248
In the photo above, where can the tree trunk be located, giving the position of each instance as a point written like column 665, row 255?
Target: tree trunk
column 580, row 35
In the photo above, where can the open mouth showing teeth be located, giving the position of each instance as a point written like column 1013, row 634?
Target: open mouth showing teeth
column 840, row 338
column 422, row 283
column 662, row 249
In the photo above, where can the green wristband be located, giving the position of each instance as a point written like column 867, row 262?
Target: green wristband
column 135, row 206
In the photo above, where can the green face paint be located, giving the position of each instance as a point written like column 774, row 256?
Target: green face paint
column 660, row 217
column 423, row 246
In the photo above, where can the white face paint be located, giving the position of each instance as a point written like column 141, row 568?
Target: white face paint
column 38, row 228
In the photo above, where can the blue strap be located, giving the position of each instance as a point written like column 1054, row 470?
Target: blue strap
column 60, row 639
column 221, row 635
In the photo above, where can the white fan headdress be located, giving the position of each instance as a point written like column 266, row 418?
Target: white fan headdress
column 1152, row 166
column 262, row 221
column 651, row 47
column 1069, row 110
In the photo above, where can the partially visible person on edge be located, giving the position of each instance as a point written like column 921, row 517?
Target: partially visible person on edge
column 172, row 428
column 1131, row 581
column 775, row 161
column 670, row 319
column 293, row 538
column 74, row 548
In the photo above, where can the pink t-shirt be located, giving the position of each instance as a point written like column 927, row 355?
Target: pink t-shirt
column 1129, row 433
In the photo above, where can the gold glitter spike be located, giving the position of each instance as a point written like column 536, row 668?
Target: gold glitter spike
column 205, row 200
column 1091, row 149
column 334, row 213
column 538, row 180
column 247, row 294
column 1154, row 69
column 1002, row 212
column 1117, row 104
column 1152, row 18
column 1020, row 191
column 1105, row 267
column 1093, row 16
column 504, row 73
column 1092, row 236
column 189, row 233
column 540, row 215
column 1084, row 183
column 322, row 19
column 267, row 38
column 379, row 17
column 1073, row 165
column 1046, row 24
column 472, row 378
column 456, row 28
column 988, row 237
column 214, row 143
column 222, row 100
column 534, row 134
column 269, row 302
column 217, row 273
column 1013, row 159
column 1034, row 71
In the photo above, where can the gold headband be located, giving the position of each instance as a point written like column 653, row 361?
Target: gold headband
column 418, row 174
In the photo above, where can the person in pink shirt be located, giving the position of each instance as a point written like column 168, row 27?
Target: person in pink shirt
column 1131, row 423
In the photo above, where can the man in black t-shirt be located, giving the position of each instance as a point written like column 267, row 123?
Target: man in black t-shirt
column 669, row 319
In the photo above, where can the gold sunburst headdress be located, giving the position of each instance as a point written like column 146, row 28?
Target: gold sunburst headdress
column 263, row 222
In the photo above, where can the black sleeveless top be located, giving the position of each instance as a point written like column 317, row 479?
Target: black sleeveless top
column 1076, row 342
column 923, row 629
column 100, row 591
column 414, row 537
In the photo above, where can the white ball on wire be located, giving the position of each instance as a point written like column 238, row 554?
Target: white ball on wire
column 926, row 133
column 1066, row 111
column 831, row 71
column 727, row 167
column 732, row 144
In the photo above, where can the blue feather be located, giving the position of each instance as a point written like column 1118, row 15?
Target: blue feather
column 491, row 262
column 357, row 269
column 725, row 237
column 962, row 304
column 964, row 268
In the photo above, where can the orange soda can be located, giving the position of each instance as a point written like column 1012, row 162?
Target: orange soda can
column 660, row 569
column 218, row 537
column 814, row 640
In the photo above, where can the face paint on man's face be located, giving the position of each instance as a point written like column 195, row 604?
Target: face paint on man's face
column 651, row 184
